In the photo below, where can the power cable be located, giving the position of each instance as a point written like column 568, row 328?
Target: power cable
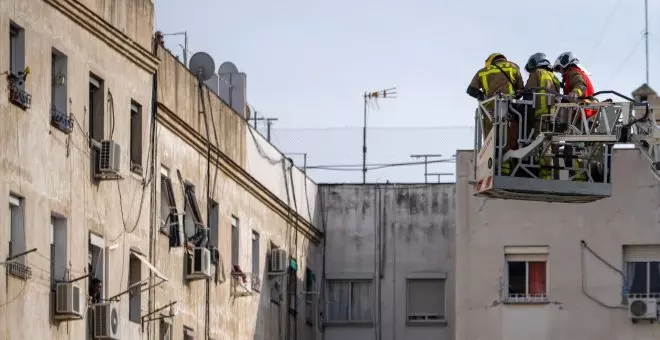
column 620, row 67
column 377, row 166
column 608, row 21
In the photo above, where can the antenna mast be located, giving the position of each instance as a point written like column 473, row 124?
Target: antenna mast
column 388, row 93
column 646, row 37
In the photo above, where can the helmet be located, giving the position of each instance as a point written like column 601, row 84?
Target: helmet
column 535, row 61
column 564, row 60
column 494, row 56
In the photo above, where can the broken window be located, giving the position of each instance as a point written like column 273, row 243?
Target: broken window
column 526, row 273
column 165, row 329
column 134, row 287
column 426, row 300
column 58, row 92
column 349, row 301
column 168, row 213
column 194, row 229
column 58, row 250
column 136, row 138
column 642, row 270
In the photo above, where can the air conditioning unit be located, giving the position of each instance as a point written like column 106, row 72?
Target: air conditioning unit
column 642, row 308
column 68, row 302
column 278, row 261
column 106, row 321
column 199, row 264
column 109, row 157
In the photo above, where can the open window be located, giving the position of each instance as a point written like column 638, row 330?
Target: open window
column 169, row 218
column 17, row 71
column 526, row 269
column 194, row 229
column 98, row 289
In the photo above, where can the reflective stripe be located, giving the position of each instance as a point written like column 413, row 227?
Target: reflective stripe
column 506, row 67
column 546, row 80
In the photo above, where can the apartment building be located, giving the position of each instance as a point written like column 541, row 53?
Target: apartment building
column 389, row 261
column 119, row 224
column 536, row 270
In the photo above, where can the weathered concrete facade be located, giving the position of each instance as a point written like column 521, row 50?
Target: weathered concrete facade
column 94, row 57
column 393, row 244
column 579, row 296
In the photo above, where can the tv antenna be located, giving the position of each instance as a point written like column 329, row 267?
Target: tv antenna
column 385, row 94
column 202, row 66
column 426, row 164
column 646, row 37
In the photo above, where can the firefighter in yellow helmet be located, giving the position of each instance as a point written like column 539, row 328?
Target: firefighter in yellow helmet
column 497, row 76
column 541, row 78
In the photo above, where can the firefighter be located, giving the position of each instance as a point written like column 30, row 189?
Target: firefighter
column 497, row 76
column 541, row 78
column 576, row 84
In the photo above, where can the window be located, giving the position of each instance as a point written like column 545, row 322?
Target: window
column 350, row 301
column 234, row 241
column 425, row 300
column 16, row 228
column 292, row 289
column 96, row 108
column 134, row 287
column 58, row 249
column 136, row 138
column 310, row 295
column 526, row 269
column 193, row 228
column 213, row 223
column 642, row 269
column 188, row 333
column 58, row 92
column 165, row 329
column 168, row 213
column 16, row 48
column 97, row 290
column 255, row 253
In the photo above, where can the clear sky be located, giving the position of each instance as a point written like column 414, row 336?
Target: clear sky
column 308, row 62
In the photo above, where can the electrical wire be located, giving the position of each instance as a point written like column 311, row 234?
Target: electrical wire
column 608, row 21
column 376, row 166
column 17, row 295
column 583, row 245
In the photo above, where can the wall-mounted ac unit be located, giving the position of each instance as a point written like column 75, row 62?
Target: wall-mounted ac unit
column 278, row 261
column 199, row 264
column 106, row 321
column 642, row 308
column 109, row 157
column 68, row 302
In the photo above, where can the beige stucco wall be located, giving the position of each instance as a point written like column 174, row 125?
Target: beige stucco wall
column 51, row 170
column 484, row 227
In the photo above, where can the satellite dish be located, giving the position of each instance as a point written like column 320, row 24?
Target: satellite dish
column 227, row 67
column 202, row 65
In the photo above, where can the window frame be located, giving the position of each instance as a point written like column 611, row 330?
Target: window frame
column 135, row 151
column 256, row 257
column 16, row 46
column 526, row 254
column 443, row 316
column 647, row 257
column 349, row 320
column 190, row 199
column 235, row 241
column 17, row 202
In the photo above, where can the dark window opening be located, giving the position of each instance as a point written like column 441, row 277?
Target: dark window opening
column 136, row 138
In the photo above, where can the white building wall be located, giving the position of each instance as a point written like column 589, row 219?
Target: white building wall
column 415, row 224
column 485, row 226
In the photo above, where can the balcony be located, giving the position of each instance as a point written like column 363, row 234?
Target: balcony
column 61, row 121
column 17, row 94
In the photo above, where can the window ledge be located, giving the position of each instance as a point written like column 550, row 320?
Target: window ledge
column 349, row 323
column 526, row 302
column 430, row 323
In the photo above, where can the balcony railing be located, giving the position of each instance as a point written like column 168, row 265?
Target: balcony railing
column 61, row 121
column 17, row 94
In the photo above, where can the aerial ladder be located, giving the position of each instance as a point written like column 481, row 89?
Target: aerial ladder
column 571, row 148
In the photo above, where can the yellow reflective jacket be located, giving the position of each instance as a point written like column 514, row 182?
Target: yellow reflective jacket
column 546, row 79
